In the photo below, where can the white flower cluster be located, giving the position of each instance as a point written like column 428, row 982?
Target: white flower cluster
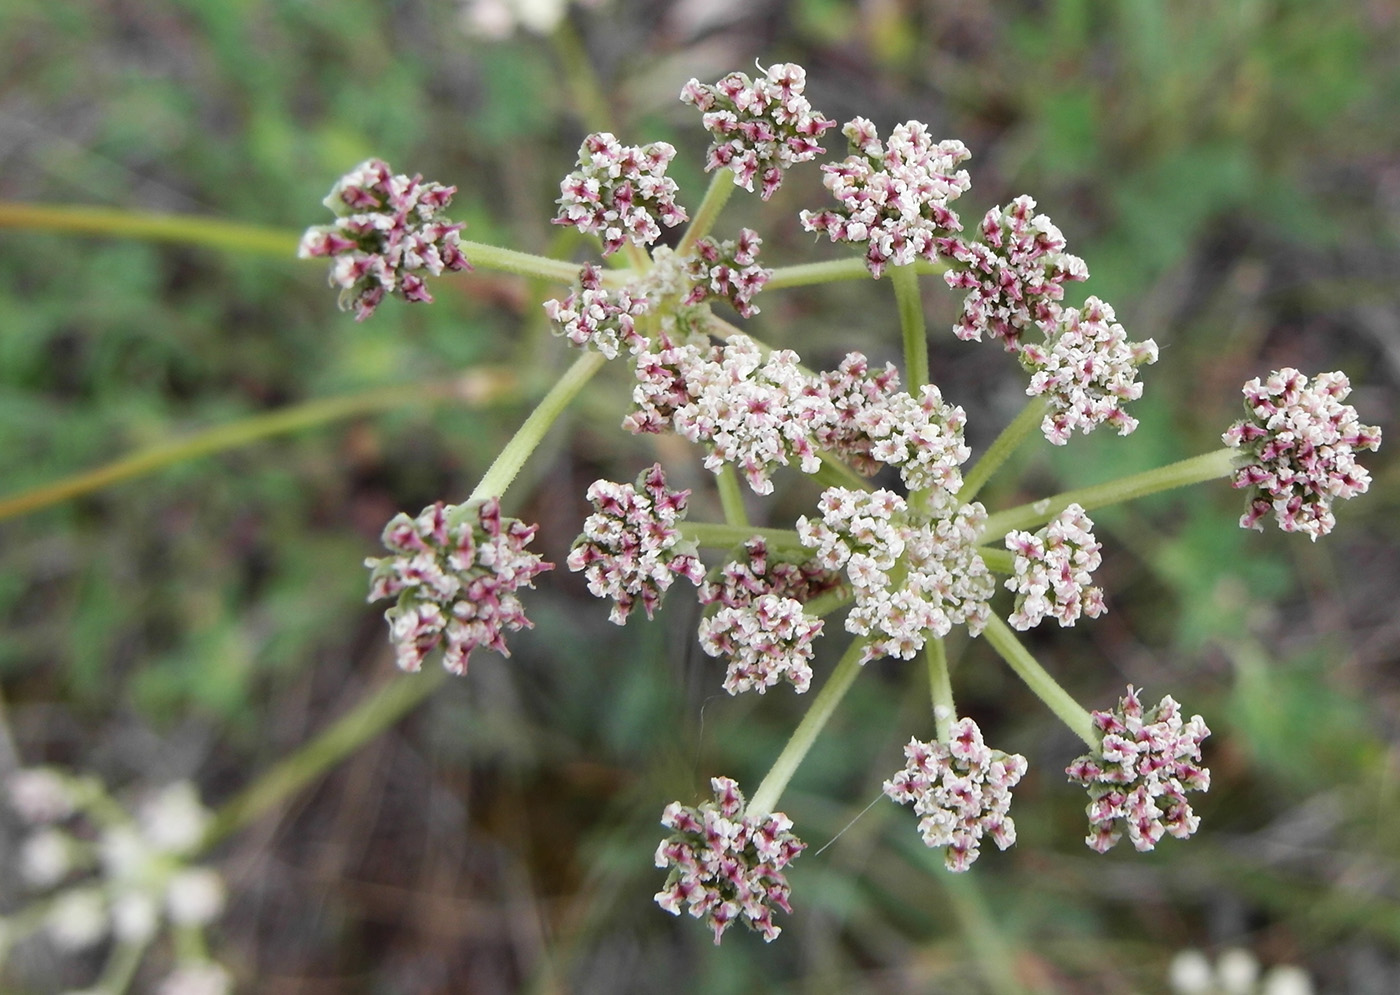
column 389, row 229
column 768, row 640
column 116, row 873
column 727, row 865
column 594, row 316
column 912, row 575
column 620, row 192
column 1299, row 446
column 1138, row 777
column 761, row 626
column 1051, row 571
column 1013, row 275
column 728, row 270
column 922, row 436
column 961, row 791
column 631, row 549
column 761, row 127
column 753, row 412
column 759, row 413
column 894, row 196
column 454, row 571
column 1087, row 369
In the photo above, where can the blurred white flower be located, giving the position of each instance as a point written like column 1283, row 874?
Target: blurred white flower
column 1235, row 972
column 195, row 896
column 77, row 919
column 46, row 858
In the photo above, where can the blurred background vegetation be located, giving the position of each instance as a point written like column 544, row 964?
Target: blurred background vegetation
column 1230, row 170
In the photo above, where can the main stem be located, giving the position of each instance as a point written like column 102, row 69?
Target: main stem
column 1002, row 447
column 716, row 535
column 531, row 433
column 940, row 688
column 1197, row 469
column 911, row 323
column 716, row 195
column 835, row 688
column 731, row 496
column 1045, row 687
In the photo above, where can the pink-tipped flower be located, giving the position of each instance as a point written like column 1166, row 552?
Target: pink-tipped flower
column 594, row 316
column 1087, row 369
column 893, row 196
column 631, row 550
column 389, row 231
column 940, row 582
column 1051, row 574
column 761, row 127
column 761, row 627
column 753, row 412
column 725, row 865
column 620, row 192
column 961, row 791
column 728, row 270
column 922, row 436
column 1013, row 275
column 1147, row 760
column 1298, row 450
column 455, row 572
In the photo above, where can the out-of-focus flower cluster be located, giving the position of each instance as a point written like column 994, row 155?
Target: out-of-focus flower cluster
column 912, row 575
column 1138, row 777
column 893, row 196
column 496, row 20
column 727, row 865
column 1298, row 447
column 728, row 270
column 390, row 228
column 1013, row 275
column 455, row 571
column 761, row 127
column 102, row 870
column 1051, row 571
column 1087, row 370
column 961, row 791
column 761, row 626
column 631, row 549
column 620, row 192
column 1235, row 972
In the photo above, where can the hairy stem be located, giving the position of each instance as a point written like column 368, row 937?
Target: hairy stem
column 835, row 688
column 911, row 324
column 1197, row 469
column 1045, row 687
column 716, row 195
column 940, row 688
column 712, row 535
column 807, row 274
column 530, row 434
column 1002, row 447
column 475, row 388
column 731, row 496
column 494, row 257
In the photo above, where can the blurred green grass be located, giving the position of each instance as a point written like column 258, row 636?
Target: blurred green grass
column 1228, row 171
